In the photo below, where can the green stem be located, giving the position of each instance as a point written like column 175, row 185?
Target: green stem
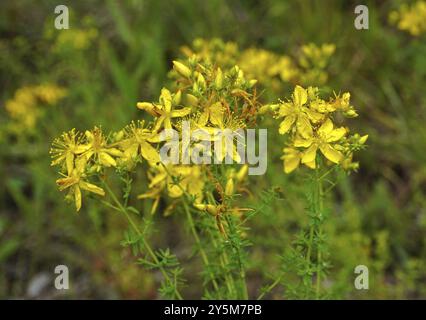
column 203, row 254
column 269, row 288
column 224, row 261
column 315, row 227
column 320, row 212
column 311, row 238
column 141, row 236
column 242, row 273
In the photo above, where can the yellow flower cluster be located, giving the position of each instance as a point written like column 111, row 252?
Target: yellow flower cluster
column 208, row 97
column 308, row 120
column 411, row 19
column 271, row 69
column 25, row 107
column 214, row 51
column 313, row 61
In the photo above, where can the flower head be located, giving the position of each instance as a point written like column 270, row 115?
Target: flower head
column 75, row 181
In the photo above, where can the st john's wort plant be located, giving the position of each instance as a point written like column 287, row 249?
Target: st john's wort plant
column 210, row 99
column 314, row 140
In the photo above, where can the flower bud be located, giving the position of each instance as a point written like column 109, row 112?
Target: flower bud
column 182, row 69
column 177, row 98
column 213, row 210
column 148, row 107
column 363, row 139
column 191, row 100
column 201, row 81
column 218, row 82
column 229, row 188
column 351, row 113
column 242, row 173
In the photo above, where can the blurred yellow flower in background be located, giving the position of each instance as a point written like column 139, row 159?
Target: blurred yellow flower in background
column 26, row 106
column 411, row 19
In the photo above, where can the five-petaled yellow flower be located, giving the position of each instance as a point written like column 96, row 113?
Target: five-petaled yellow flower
column 164, row 111
column 75, row 182
column 297, row 112
column 138, row 142
column 322, row 139
column 98, row 147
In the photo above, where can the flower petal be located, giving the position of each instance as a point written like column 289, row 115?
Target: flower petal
column 300, row 142
column 285, row 125
column 326, row 128
column 310, row 154
column 311, row 165
column 216, row 114
column 300, row 96
column 285, row 109
column 304, row 126
column 330, row 153
column 91, row 188
column 166, row 99
column 178, row 113
column 70, row 162
column 77, row 198
column 106, row 159
column 149, row 152
column 336, row 134
column 291, row 163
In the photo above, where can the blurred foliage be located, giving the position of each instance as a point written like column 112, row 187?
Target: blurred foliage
column 116, row 53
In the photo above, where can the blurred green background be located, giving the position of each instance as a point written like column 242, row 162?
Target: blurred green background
column 119, row 52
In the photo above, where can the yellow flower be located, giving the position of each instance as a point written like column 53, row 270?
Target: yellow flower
column 297, row 112
column 322, row 139
column 164, row 111
column 26, row 106
column 97, row 146
column 65, row 148
column 189, row 180
column 213, row 113
column 292, row 158
column 227, row 147
column 138, row 142
column 342, row 103
column 410, row 18
column 75, row 182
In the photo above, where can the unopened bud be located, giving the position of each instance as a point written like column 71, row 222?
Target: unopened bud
column 191, row 100
column 363, row 139
column 242, row 173
column 182, row 69
column 229, row 188
column 201, row 81
column 177, row 98
column 218, row 82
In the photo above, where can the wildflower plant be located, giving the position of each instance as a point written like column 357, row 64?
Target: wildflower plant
column 209, row 96
column 315, row 141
